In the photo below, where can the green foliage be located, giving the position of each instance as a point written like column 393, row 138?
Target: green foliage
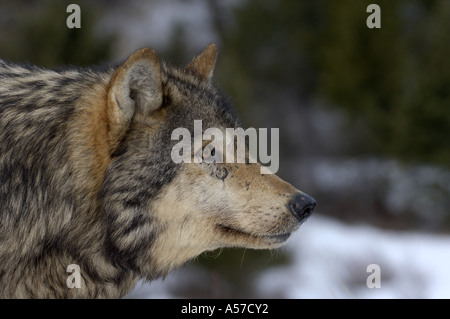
column 238, row 267
column 37, row 34
column 270, row 51
column 393, row 81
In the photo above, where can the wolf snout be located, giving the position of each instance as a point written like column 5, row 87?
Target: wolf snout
column 302, row 206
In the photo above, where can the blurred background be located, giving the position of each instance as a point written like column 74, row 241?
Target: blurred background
column 364, row 119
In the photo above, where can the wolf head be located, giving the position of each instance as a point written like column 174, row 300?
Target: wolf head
column 159, row 213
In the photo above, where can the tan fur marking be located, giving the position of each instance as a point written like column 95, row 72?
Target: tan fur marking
column 116, row 123
column 91, row 139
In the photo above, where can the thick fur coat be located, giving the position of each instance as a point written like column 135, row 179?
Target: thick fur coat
column 86, row 178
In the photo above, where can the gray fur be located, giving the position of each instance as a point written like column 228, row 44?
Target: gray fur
column 60, row 206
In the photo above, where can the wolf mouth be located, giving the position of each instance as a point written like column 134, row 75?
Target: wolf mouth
column 273, row 237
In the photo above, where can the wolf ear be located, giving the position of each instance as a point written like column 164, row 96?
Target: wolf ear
column 135, row 87
column 136, row 84
column 203, row 64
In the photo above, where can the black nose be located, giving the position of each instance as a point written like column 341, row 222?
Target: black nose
column 302, row 206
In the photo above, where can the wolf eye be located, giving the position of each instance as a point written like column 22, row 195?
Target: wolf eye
column 209, row 152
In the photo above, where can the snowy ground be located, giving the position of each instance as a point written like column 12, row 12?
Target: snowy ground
column 330, row 260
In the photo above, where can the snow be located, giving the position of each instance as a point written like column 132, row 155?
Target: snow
column 330, row 260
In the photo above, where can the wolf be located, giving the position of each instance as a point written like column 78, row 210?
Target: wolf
column 86, row 178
